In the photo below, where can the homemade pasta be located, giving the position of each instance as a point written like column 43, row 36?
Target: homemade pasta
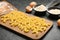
column 25, row 22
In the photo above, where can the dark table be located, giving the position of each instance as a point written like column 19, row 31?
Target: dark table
column 6, row 34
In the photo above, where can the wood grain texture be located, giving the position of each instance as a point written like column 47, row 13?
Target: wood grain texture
column 29, row 34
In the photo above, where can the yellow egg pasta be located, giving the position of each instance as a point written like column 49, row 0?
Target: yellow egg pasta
column 25, row 22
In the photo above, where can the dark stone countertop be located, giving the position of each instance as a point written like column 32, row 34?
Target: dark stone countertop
column 6, row 34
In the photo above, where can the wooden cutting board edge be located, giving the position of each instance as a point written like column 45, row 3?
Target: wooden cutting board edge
column 25, row 34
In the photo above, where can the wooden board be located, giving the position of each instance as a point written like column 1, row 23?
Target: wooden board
column 30, row 33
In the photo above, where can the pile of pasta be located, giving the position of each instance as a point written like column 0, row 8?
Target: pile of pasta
column 25, row 22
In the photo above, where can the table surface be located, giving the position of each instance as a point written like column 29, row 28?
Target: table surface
column 6, row 34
